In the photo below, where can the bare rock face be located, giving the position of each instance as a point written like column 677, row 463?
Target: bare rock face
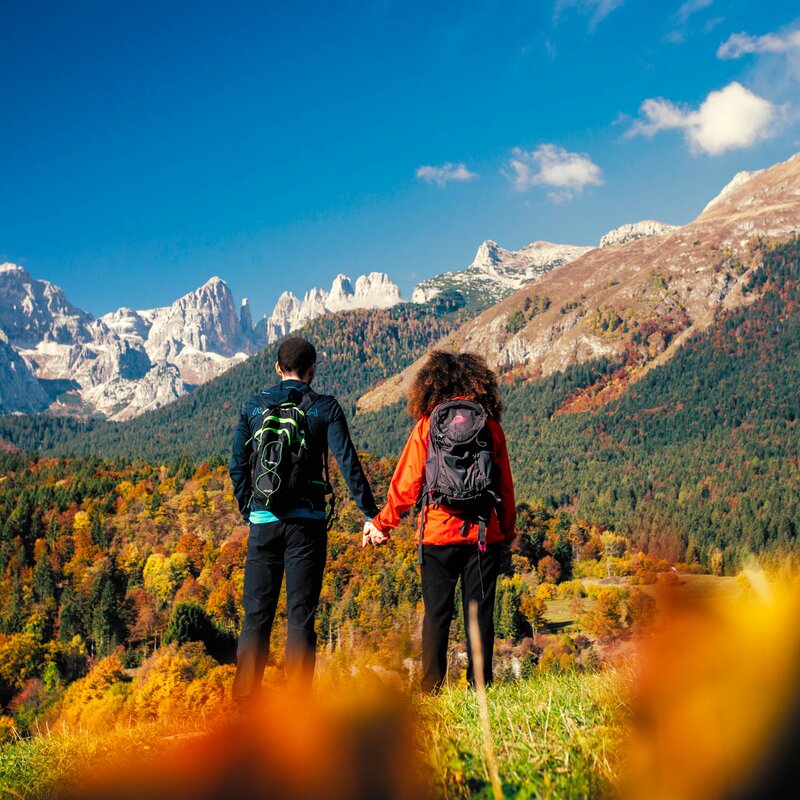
column 245, row 320
column 637, row 300
column 130, row 325
column 33, row 311
column 204, row 320
column 120, row 399
column 633, row 231
column 496, row 272
column 130, row 360
column 19, row 388
column 106, row 365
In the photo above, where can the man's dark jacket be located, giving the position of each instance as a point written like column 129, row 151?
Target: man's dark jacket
column 327, row 431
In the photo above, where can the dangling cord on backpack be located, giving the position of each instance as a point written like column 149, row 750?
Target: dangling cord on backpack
column 423, row 516
column 481, row 551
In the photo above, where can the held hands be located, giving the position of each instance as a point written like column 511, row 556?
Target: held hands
column 371, row 535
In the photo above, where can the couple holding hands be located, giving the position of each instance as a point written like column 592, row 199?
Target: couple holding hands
column 454, row 466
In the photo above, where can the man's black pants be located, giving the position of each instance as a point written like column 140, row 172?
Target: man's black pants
column 299, row 548
column 442, row 566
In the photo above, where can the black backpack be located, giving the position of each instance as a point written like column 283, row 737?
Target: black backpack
column 460, row 472
column 281, row 466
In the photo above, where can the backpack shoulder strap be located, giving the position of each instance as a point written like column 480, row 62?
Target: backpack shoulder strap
column 310, row 397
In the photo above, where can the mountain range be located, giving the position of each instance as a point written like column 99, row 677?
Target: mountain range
column 534, row 311
column 57, row 357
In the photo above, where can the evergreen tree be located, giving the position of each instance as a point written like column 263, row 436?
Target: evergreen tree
column 71, row 616
column 14, row 614
column 562, row 553
column 44, row 583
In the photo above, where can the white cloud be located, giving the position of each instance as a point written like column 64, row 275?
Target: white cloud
column 550, row 165
column 739, row 44
column 691, row 7
column 732, row 118
column 597, row 9
column 445, row 173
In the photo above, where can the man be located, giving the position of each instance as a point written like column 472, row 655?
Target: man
column 293, row 540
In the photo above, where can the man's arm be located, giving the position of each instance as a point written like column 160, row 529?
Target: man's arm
column 239, row 468
column 341, row 445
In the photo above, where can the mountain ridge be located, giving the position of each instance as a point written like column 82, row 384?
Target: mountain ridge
column 635, row 300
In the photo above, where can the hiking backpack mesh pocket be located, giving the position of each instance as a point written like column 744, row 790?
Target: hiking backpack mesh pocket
column 280, row 463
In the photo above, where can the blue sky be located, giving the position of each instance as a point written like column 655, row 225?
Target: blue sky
column 147, row 146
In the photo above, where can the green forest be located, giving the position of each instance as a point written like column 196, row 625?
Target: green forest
column 697, row 461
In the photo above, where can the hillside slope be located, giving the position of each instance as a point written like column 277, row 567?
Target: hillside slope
column 698, row 459
column 637, row 300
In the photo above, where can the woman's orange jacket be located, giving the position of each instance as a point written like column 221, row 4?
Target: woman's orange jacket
column 441, row 526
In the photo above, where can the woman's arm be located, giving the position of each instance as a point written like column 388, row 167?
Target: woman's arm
column 507, row 510
column 406, row 481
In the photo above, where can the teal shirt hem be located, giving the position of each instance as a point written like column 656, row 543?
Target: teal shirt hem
column 260, row 517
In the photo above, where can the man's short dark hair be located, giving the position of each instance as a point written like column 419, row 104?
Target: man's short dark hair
column 296, row 355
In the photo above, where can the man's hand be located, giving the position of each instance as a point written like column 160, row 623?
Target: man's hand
column 371, row 535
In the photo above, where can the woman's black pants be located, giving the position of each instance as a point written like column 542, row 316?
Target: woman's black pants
column 441, row 568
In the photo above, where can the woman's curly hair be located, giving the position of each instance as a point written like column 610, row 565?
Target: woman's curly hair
column 447, row 375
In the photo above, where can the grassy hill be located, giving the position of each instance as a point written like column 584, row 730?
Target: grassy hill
column 540, row 726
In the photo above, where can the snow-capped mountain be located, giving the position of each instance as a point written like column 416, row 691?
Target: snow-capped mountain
column 496, row 272
column 54, row 355
column 33, row 311
column 375, row 290
column 633, row 231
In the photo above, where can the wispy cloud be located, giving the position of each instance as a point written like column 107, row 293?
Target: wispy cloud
column 732, row 118
column 774, row 64
column 689, row 8
column 683, row 20
column 596, row 10
column 445, row 173
column 740, row 44
column 564, row 172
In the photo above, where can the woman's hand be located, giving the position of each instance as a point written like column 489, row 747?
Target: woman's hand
column 371, row 535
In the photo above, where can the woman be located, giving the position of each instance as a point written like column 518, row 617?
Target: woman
column 452, row 541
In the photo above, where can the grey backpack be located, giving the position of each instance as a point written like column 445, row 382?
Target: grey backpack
column 460, row 472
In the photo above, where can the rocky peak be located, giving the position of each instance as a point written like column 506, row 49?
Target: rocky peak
column 635, row 230
column 495, row 272
column 204, row 320
column 375, row 290
column 488, row 256
column 32, row 311
column 245, row 318
column 738, row 180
